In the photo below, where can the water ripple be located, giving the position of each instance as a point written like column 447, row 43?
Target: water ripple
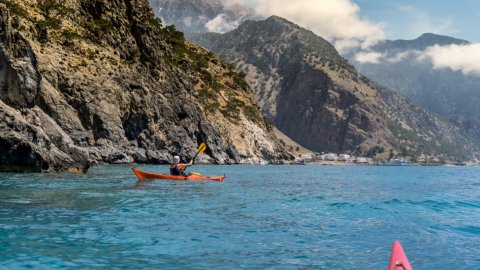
column 261, row 217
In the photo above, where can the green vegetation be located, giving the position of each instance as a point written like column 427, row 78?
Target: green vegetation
column 52, row 8
column 49, row 23
column 69, row 34
column 212, row 107
column 177, row 41
column 53, row 14
column 98, row 27
column 155, row 22
column 134, row 54
column 239, row 79
column 375, row 150
column 231, row 110
column 206, row 95
column 414, row 145
column 252, row 113
column 15, row 8
column 90, row 54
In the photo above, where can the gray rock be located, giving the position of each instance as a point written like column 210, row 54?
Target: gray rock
column 119, row 91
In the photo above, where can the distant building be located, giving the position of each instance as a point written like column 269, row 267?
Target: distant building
column 344, row 157
column 307, row 158
column 362, row 160
column 330, row 157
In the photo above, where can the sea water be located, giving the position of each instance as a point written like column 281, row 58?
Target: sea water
column 260, row 217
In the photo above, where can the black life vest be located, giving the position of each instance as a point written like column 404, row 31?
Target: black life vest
column 174, row 170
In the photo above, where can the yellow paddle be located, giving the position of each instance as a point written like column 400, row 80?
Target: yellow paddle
column 200, row 150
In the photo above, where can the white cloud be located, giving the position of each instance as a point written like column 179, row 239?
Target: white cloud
column 336, row 20
column 399, row 57
column 372, row 57
column 464, row 58
column 221, row 24
column 369, row 57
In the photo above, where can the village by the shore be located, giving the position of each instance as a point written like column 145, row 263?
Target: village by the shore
column 346, row 159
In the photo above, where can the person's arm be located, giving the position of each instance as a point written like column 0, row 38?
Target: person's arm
column 185, row 165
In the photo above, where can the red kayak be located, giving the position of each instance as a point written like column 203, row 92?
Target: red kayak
column 398, row 259
column 141, row 175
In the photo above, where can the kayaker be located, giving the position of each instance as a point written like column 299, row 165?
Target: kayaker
column 177, row 168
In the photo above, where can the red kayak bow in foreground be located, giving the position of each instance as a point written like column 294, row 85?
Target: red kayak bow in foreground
column 398, row 259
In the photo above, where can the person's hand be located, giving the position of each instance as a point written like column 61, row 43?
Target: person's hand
column 191, row 162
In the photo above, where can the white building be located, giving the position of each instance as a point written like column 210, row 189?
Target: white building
column 362, row 160
column 331, row 157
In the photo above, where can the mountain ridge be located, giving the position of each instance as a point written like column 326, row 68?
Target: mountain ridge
column 420, row 43
column 274, row 50
column 448, row 93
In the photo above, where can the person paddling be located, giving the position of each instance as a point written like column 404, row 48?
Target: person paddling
column 177, row 168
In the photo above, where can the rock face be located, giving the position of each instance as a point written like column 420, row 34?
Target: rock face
column 92, row 81
column 422, row 133
column 301, row 83
column 200, row 16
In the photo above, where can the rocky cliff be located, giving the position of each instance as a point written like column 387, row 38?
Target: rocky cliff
column 89, row 81
column 310, row 92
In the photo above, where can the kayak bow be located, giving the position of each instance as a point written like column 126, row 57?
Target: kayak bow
column 142, row 175
column 398, row 259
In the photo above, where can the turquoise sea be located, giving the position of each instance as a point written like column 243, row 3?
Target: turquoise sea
column 261, row 217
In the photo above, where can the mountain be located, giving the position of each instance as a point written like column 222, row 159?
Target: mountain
column 317, row 98
column 200, row 16
column 448, row 93
column 424, row 135
column 85, row 82
column 421, row 43
column 310, row 92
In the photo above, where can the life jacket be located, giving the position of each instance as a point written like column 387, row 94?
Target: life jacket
column 176, row 170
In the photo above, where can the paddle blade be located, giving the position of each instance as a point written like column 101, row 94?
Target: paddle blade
column 202, row 148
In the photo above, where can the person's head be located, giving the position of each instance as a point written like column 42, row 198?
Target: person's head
column 176, row 159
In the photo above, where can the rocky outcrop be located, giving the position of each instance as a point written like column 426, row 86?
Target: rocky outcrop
column 97, row 81
column 301, row 83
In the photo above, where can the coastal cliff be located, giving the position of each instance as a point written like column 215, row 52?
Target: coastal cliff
column 99, row 81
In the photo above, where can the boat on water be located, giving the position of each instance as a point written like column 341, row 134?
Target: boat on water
column 143, row 175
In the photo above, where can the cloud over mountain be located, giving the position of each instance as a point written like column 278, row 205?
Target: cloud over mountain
column 464, row 58
column 336, row 20
column 369, row 57
column 221, row 24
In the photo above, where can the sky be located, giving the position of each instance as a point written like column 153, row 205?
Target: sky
column 357, row 25
column 407, row 19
